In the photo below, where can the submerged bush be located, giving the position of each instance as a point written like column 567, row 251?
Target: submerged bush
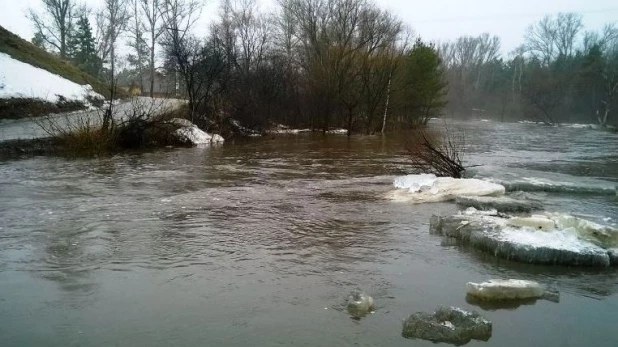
column 437, row 152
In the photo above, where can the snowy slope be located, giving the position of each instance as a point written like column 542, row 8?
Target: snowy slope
column 21, row 80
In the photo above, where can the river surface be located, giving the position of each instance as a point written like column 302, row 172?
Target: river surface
column 258, row 242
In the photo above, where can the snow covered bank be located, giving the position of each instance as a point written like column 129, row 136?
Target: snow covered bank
column 429, row 188
column 544, row 239
column 21, row 80
column 514, row 179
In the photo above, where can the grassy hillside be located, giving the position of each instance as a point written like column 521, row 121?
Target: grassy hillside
column 26, row 52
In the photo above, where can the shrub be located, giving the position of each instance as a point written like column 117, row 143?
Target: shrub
column 438, row 152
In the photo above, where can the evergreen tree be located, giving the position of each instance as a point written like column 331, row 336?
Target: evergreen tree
column 82, row 49
column 39, row 40
column 423, row 88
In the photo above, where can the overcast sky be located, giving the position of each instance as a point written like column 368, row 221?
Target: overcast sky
column 435, row 20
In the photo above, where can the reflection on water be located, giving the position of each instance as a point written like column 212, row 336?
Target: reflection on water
column 258, row 243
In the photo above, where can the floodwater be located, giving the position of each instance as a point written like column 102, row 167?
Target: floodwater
column 258, row 243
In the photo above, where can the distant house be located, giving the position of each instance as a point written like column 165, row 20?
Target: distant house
column 165, row 85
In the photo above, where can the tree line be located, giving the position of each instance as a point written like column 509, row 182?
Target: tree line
column 348, row 64
column 318, row 64
column 560, row 74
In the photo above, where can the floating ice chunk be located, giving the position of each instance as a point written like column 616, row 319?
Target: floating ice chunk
column 500, row 204
column 448, row 324
column 515, row 179
column 510, row 289
column 428, row 188
column 415, row 183
column 360, row 304
column 526, row 244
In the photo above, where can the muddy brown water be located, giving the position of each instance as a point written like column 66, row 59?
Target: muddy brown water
column 258, row 242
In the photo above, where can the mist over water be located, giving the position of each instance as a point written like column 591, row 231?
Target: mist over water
column 258, row 242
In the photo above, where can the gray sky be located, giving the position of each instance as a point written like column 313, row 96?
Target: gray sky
column 435, row 20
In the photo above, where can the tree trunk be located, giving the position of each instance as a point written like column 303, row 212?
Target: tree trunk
column 388, row 96
column 152, row 61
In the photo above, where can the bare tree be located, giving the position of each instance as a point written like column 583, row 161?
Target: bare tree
column 150, row 9
column 552, row 37
column 54, row 26
column 568, row 26
column 136, row 29
column 178, row 17
column 541, row 38
column 112, row 20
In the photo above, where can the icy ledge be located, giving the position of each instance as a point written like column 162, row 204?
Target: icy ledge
column 542, row 239
column 429, row 188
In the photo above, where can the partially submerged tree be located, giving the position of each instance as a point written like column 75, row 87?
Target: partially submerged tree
column 440, row 153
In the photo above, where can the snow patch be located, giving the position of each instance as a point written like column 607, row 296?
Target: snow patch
column 535, row 222
column 557, row 239
column 21, row 80
column 415, row 183
column 337, row 131
column 193, row 135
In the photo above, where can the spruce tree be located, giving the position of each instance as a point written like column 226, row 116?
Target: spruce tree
column 39, row 40
column 83, row 48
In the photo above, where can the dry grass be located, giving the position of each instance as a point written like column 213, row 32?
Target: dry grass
column 84, row 135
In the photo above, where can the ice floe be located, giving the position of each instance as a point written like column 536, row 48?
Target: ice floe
column 429, row 188
column 500, row 203
column 515, row 179
column 542, row 239
column 511, row 289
